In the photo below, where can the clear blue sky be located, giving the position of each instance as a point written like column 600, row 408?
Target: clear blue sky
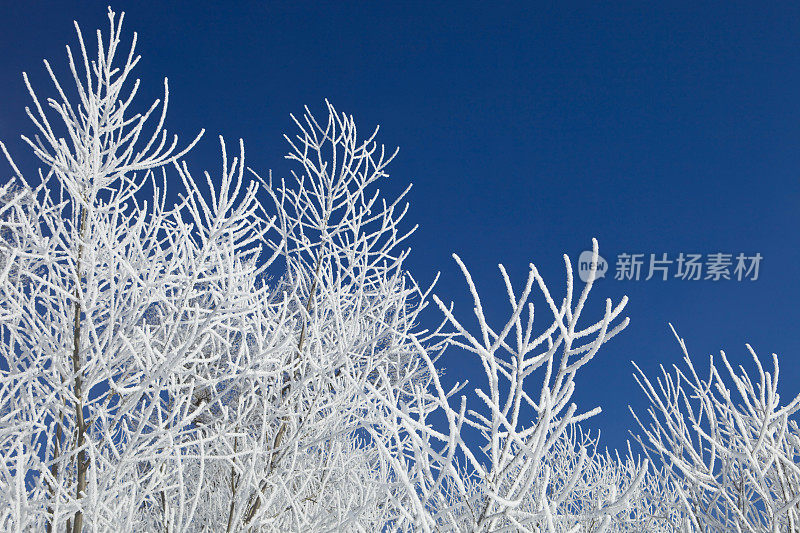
column 526, row 128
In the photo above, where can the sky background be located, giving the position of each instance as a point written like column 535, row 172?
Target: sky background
column 527, row 129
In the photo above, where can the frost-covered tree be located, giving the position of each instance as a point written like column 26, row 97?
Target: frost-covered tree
column 730, row 448
column 254, row 357
column 119, row 312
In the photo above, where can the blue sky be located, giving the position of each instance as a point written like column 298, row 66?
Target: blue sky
column 527, row 129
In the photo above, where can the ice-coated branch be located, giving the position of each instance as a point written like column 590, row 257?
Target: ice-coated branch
column 731, row 453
